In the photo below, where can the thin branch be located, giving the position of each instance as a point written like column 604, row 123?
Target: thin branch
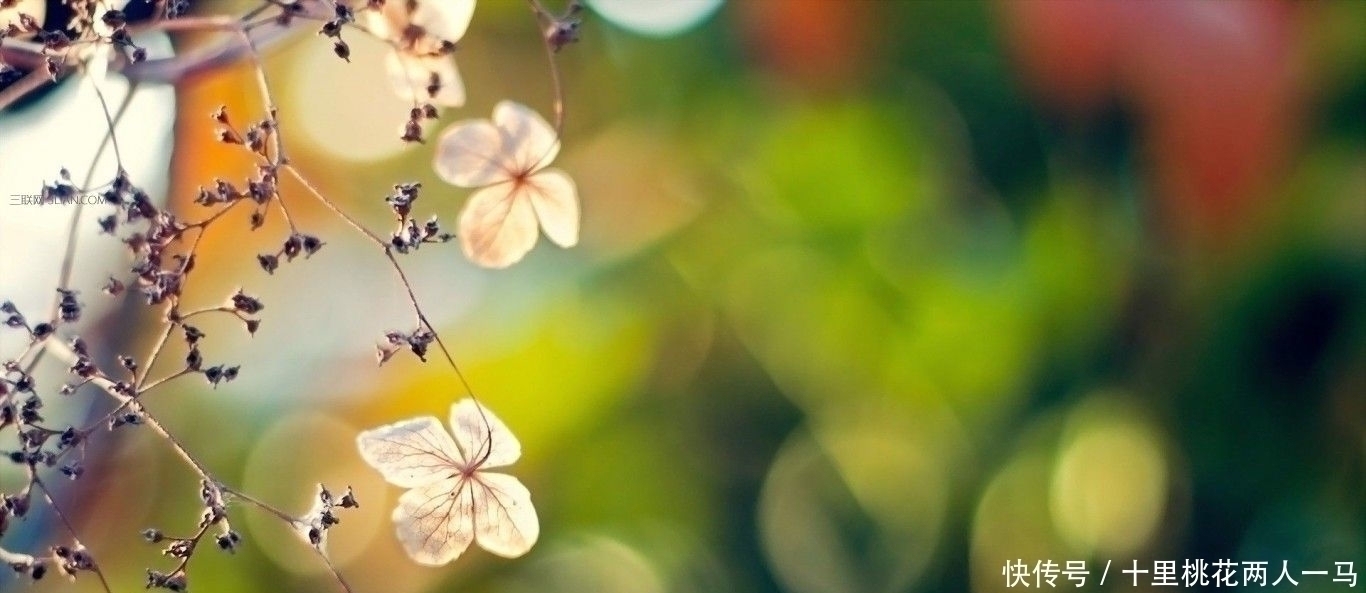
column 545, row 18
column 398, row 270
column 69, row 256
column 111, row 136
column 70, row 528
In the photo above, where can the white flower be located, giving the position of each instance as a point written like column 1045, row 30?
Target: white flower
column 453, row 500
column 423, row 32
column 507, row 157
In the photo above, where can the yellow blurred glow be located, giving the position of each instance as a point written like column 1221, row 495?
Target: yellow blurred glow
column 570, row 359
column 811, row 357
column 347, row 110
column 597, row 564
column 1110, row 484
column 1012, row 523
column 896, row 469
column 290, row 458
column 636, row 189
column 123, row 505
column 860, row 470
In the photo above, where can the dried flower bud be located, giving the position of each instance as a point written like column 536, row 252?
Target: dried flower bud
column 114, row 18
column 229, row 136
column 293, row 245
column 246, row 304
column 67, row 307
column 268, row 262
column 42, row 330
column 348, row 500
column 311, row 245
column 412, row 132
column 113, row 287
column 228, row 541
column 562, row 32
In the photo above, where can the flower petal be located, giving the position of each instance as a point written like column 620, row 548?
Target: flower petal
column 386, row 23
column 498, row 225
column 415, row 77
column 505, row 522
column 556, row 203
column 435, row 522
column 529, row 142
column 411, row 453
column 470, row 154
column 444, row 19
column 484, row 439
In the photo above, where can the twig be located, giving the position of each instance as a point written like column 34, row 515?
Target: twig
column 70, row 528
column 544, row 17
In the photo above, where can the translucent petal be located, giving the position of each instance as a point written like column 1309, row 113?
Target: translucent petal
column 435, row 522
column 444, row 19
column 387, row 22
column 414, row 77
column 470, row 154
column 411, row 453
column 505, row 522
column 529, row 142
column 484, row 439
column 496, row 227
column 556, row 202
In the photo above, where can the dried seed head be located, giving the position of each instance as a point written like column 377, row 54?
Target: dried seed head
column 246, row 304
column 268, row 262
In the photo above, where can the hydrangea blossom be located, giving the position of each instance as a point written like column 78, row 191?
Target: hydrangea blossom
column 453, row 499
column 423, row 34
column 507, row 158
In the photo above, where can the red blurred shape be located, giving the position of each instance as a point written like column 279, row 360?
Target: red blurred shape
column 1216, row 85
column 816, row 43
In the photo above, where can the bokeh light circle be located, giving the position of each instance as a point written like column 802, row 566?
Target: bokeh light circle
column 655, row 18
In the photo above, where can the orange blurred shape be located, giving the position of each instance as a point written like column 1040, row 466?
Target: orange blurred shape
column 201, row 158
column 814, row 43
column 1215, row 85
column 200, row 155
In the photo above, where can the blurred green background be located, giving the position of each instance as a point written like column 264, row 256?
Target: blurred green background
column 872, row 297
